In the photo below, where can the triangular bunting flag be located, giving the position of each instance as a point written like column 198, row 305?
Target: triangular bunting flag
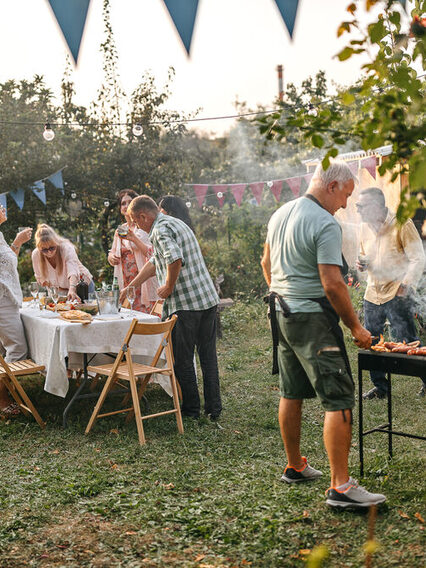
column 403, row 2
column 183, row 13
column 56, row 180
column 370, row 165
column 308, row 177
column 220, row 191
column 238, row 192
column 3, row 200
column 288, row 10
column 71, row 17
column 257, row 189
column 294, row 184
column 38, row 189
column 276, row 189
column 353, row 166
column 19, row 197
column 200, row 192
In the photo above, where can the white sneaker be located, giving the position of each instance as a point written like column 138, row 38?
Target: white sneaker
column 307, row 473
column 355, row 496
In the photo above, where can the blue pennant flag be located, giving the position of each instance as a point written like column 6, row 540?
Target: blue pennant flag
column 403, row 2
column 57, row 180
column 3, row 200
column 19, row 197
column 71, row 17
column 183, row 13
column 288, row 11
column 38, row 189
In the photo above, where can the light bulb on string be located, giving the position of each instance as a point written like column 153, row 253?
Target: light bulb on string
column 269, row 183
column 220, row 194
column 48, row 133
column 137, row 130
column 73, row 195
column 188, row 204
column 106, row 203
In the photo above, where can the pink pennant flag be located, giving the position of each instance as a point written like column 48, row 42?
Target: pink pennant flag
column 308, row 177
column 257, row 189
column 220, row 191
column 370, row 165
column 276, row 189
column 294, row 184
column 238, row 192
column 200, row 192
column 353, row 166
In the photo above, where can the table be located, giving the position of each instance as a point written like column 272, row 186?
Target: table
column 397, row 363
column 51, row 340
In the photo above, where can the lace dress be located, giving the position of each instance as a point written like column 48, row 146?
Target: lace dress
column 9, row 277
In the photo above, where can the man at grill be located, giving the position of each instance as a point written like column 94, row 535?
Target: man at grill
column 301, row 264
column 394, row 259
column 189, row 292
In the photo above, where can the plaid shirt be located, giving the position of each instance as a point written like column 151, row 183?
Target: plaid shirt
column 172, row 240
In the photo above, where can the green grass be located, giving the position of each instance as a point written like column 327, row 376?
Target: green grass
column 211, row 497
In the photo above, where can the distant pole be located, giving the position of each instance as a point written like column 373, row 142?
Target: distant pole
column 280, row 82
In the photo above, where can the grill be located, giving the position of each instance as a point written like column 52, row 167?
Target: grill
column 399, row 364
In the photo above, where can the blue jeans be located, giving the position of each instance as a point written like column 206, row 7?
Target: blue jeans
column 400, row 314
column 197, row 329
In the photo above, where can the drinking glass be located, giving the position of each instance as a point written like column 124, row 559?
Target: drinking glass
column 131, row 296
column 54, row 294
column 34, row 289
column 41, row 294
column 122, row 231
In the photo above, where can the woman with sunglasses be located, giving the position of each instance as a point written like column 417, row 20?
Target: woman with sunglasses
column 130, row 251
column 55, row 263
column 13, row 345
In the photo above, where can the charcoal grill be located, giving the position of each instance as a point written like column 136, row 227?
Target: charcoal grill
column 399, row 364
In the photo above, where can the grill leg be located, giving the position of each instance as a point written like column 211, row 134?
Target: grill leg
column 390, row 415
column 360, row 424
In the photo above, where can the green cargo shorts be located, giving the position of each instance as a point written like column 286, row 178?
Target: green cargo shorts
column 311, row 363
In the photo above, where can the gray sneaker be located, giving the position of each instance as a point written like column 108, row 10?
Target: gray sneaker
column 355, row 497
column 307, row 473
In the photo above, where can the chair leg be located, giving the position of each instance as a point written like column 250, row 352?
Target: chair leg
column 137, row 410
column 20, row 397
column 176, row 403
column 108, row 384
column 141, row 391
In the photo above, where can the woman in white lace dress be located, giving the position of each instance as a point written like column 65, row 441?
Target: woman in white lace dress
column 13, row 345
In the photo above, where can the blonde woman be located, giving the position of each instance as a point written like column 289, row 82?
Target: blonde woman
column 55, row 263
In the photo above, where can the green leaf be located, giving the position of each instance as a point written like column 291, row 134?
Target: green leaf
column 346, row 53
column 377, row 31
column 317, row 141
column 347, row 98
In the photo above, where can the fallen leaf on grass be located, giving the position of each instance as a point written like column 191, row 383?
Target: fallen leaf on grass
column 36, row 468
column 305, row 514
column 130, row 532
column 304, row 551
column 88, row 551
column 403, row 515
column 62, row 545
column 97, row 450
column 419, row 517
column 54, row 452
column 114, row 431
column 237, row 432
column 168, row 486
column 199, row 557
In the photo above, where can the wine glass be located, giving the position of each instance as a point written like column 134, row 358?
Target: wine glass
column 34, row 289
column 131, row 296
column 41, row 294
column 54, row 294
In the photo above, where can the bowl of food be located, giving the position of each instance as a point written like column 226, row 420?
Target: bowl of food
column 88, row 307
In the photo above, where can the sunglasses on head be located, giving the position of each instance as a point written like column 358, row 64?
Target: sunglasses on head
column 46, row 250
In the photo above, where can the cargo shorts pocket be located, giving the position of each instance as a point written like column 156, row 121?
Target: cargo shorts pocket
column 333, row 381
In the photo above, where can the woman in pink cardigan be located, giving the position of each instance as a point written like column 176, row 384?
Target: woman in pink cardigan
column 129, row 254
column 55, row 263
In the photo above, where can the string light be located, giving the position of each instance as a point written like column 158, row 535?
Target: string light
column 137, row 130
column 73, row 195
column 106, row 203
column 220, row 194
column 269, row 183
column 48, row 133
column 188, row 204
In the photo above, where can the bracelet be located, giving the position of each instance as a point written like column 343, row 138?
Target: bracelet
column 15, row 247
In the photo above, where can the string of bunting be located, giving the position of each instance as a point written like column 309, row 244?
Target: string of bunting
column 37, row 187
column 276, row 186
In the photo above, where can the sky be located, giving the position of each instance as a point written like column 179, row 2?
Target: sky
column 236, row 47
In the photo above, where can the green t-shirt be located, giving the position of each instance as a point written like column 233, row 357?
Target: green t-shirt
column 301, row 235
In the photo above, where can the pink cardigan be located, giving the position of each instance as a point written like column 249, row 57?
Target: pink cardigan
column 148, row 288
column 71, row 264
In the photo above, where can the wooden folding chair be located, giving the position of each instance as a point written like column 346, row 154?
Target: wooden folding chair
column 138, row 375
column 157, row 309
column 8, row 375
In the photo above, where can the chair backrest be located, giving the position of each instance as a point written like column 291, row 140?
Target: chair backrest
column 157, row 308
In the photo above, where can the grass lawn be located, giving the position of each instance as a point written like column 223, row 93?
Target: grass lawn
column 212, row 497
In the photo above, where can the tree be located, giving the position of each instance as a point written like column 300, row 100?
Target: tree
column 388, row 99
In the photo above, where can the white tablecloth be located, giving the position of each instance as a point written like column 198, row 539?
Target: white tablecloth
column 50, row 340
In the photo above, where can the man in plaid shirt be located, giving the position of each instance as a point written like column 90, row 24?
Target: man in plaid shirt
column 188, row 291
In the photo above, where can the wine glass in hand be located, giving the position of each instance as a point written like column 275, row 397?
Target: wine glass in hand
column 131, row 296
column 54, row 294
column 34, row 288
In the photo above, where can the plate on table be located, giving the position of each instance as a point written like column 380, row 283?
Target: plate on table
column 109, row 317
column 47, row 315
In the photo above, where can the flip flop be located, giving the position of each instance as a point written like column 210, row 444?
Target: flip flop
column 10, row 411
